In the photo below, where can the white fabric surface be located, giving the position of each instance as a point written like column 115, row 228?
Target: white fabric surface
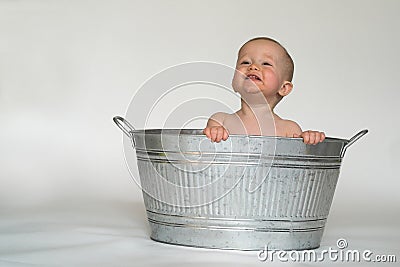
column 115, row 233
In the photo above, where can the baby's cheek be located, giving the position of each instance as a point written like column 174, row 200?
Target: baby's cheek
column 272, row 79
column 237, row 82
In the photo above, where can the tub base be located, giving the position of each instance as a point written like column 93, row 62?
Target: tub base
column 238, row 234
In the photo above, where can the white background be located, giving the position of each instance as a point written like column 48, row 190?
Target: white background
column 67, row 67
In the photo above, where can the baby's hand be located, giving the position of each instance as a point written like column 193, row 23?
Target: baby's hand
column 216, row 133
column 311, row 137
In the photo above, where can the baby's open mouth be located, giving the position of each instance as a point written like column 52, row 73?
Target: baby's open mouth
column 253, row 77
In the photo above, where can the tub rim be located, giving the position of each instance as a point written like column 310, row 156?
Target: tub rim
column 199, row 132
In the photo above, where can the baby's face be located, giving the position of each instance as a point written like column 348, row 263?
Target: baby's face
column 259, row 69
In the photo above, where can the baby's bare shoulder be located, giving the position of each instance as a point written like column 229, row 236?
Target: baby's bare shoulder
column 288, row 127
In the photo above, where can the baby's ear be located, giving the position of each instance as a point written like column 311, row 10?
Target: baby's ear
column 286, row 88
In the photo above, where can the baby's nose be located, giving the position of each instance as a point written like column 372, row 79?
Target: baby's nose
column 253, row 67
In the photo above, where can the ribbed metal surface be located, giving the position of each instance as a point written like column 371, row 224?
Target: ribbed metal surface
column 242, row 194
column 283, row 194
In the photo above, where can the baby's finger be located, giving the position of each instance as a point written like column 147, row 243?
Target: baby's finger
column 317, row 138
column 220, row 134
column 207, row 132
column 306, row 137
column 322, row 136
column 214, row 133
column 312, row 138
column 225, row 135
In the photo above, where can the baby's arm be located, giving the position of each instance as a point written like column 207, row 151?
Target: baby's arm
column 309, row 137
column 215, row 131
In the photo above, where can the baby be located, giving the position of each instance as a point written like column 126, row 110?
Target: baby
column 263, row 76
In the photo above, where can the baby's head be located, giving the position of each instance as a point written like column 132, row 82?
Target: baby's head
column 265, row 63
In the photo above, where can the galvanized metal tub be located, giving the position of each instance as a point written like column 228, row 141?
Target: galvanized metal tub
column 244, row 193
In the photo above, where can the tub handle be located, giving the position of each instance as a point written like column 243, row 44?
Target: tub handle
column 124, row 125
column 353, row 140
